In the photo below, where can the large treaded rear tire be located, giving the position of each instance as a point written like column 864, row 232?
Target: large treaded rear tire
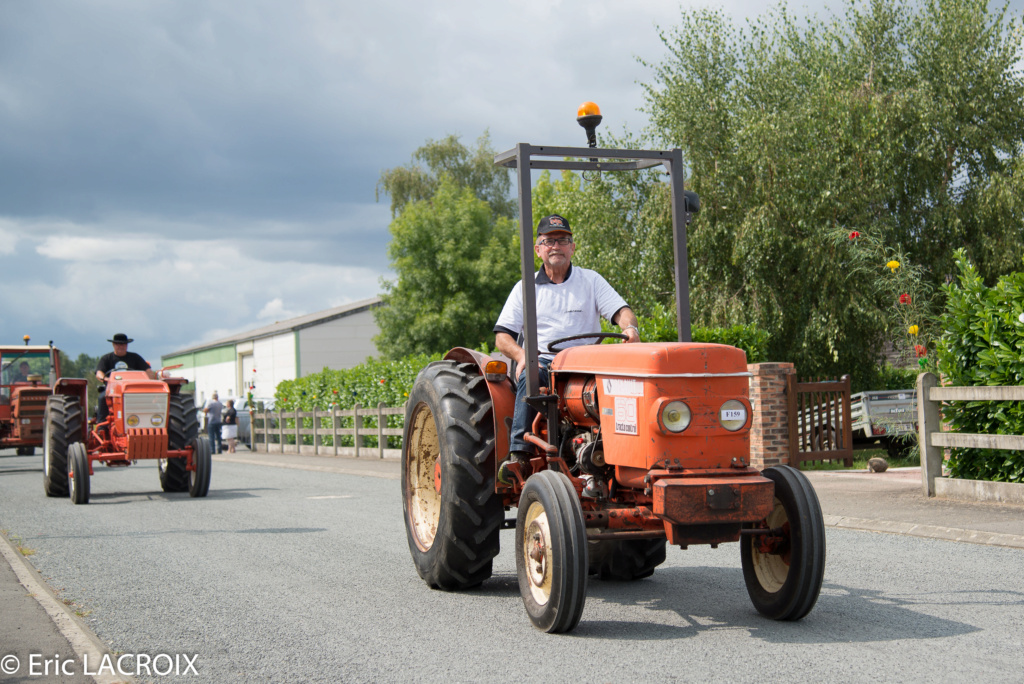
column 182, row 428
column 62, row 426
column 452, row 529
column 625, row 560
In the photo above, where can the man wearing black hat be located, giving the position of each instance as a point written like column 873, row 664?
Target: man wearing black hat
column 570, row 301
column 107, row 364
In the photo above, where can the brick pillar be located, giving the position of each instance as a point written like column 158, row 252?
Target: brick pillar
column 769, row 430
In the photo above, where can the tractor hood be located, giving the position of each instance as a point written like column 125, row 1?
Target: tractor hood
column 653, row 359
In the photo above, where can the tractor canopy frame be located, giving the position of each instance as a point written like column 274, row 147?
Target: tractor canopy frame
column 524, row 158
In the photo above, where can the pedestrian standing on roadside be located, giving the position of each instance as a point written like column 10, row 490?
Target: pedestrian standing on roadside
column 213, row 410
column 229, row 428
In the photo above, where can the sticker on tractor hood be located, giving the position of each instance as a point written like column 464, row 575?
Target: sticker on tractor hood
column 623, row 387
column 625, row 415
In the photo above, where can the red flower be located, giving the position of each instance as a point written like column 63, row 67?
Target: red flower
column 854, row 235
column 904, row 299
column 335, row 391
column 920, row 350
column 382, row 381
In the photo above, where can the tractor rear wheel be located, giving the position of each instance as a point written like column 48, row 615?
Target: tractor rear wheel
column 78, row 473
column 551, row 552
column 62, row 426
column 182, row 428
column 199, row 478
column 452, row 512
column 784, row 580
column 625, row 560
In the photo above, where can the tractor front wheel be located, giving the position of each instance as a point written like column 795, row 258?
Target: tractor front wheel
column 199, row 477
column 784, row 569
column 62, row 426
column 551, row 552
column 452, row 512
column 78, row 473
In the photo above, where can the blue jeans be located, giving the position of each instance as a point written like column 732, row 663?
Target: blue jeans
column 523, row 416
column 213, row 432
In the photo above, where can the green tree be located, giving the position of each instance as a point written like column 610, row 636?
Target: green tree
column 453, row 248
column 456, row 263
column 449, row 158
column 82, row 367
column 898, row 120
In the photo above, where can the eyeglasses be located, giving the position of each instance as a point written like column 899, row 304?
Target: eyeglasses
column 551, row 242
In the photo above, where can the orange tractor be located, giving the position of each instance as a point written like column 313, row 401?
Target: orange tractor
column 148, row 419
column 29, row 375
column 636, row 446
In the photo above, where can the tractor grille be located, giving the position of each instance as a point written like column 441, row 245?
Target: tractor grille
column 31, row 403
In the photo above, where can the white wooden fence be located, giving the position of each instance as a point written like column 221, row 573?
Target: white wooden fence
column 929, row 424
column 285, row 431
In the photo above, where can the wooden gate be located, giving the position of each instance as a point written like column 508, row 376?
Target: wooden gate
column 819, row 421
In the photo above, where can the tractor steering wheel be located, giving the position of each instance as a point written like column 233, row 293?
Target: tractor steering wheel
column 598, row 336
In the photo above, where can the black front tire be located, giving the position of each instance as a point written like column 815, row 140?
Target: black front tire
column 452, row 511
column 182, row 429
column 785, row 585
column 78, row 473
column 551, row 552
column 199, row 477
column 62, row 426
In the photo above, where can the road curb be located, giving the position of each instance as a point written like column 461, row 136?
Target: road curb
column 928, row 531
column 79, row 636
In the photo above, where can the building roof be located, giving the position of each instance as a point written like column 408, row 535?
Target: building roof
column 291, row 324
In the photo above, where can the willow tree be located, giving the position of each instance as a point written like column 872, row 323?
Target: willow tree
column 899, row 120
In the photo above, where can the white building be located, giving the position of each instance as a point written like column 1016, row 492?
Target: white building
column 257, row 360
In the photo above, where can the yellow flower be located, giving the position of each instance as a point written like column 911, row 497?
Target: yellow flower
column 893, row 265
column 913, row 330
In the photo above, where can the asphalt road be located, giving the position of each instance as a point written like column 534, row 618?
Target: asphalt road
column 294, row 575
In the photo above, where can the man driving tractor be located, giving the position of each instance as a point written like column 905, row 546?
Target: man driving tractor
column 109, row 361
column 570, row 301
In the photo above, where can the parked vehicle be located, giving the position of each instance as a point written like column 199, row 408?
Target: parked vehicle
column 889, row 416
column 245, row 410
column 636, row 445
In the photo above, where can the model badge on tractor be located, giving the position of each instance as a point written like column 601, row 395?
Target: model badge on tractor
column 635, row 446
column 148, row 419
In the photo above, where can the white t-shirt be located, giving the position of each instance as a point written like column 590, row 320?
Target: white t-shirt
column 573, row 307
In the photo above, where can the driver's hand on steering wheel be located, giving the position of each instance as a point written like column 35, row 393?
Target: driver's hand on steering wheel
column 632, row 334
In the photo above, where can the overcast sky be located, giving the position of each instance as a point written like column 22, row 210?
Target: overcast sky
column 182, row 170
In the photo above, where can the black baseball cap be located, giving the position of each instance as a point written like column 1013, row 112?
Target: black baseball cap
column 552, row 224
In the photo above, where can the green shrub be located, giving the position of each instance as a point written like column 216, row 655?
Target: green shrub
column 892, row 378
column 368, row 384
column 660, row 326
column 982, row 343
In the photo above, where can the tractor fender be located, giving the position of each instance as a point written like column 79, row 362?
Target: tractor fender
column 503, row 397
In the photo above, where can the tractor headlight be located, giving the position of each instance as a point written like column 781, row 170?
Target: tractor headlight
column 156, row 419
column 733, row 415
column 133, row 420
column 675, row 416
